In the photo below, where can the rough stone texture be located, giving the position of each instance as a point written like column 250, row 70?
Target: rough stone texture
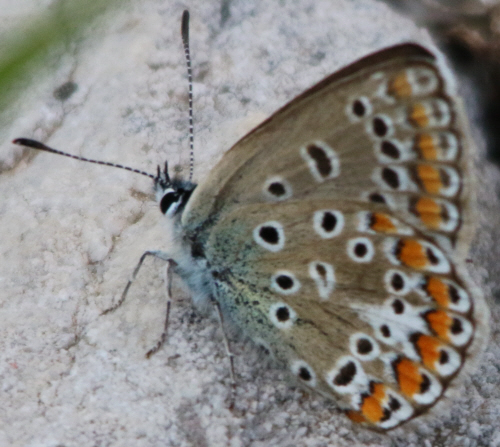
column 72, row 233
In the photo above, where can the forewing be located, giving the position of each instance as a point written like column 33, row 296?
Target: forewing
column 384, row 130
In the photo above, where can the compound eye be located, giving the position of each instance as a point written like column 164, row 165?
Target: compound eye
column 169, row 202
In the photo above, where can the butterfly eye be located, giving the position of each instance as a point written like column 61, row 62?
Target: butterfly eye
column 170, row 202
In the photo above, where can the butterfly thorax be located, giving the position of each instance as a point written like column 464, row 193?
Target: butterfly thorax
column 173, row 195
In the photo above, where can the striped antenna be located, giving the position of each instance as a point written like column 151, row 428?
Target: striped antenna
column 185, row 41
column 33, row 144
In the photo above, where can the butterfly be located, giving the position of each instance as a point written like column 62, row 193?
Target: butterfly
column 334, row 235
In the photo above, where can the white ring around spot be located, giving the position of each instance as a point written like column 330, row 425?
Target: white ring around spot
column 318, row 223
column 297, row 365
column 282, row 324
column 325, row 284
column 388, row 123
column 311, row 163
column 370, row 250
column 350, row 112
column 358, row 382
column 353, row 345
column 407, row 283
column 277, row 288
column 269, row 246
column 282, row 181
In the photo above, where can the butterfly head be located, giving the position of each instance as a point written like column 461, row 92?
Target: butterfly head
column 172, row 194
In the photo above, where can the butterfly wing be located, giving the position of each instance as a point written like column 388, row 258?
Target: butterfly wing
column 333, row 233
column 384, row 129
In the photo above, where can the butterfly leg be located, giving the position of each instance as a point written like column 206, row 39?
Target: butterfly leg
column 228, row 350
column 168, row 279
column 156, row 254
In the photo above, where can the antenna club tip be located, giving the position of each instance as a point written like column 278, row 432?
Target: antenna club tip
column 185, row 25
column 28, row 143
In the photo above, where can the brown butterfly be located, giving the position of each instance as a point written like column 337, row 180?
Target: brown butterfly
column 335, row 234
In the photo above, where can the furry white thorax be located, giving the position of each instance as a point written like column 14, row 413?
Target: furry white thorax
column 193, row 271
column 172, row 196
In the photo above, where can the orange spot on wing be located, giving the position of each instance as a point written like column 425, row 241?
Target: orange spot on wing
column 429, row 212
column 430, row 178
column 372, row 406
column 356, row 416
column 408, row 377
column 400, row 86
column 427, row 147
column 438, row 290
column 371, row 409
column 429, row 350
column 440, row 323
column 379, row 392
column 418, row 115
column 411, row 253
column 382, row 223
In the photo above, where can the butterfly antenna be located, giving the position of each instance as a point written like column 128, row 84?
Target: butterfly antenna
column 33, row 144
column 185, row 41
